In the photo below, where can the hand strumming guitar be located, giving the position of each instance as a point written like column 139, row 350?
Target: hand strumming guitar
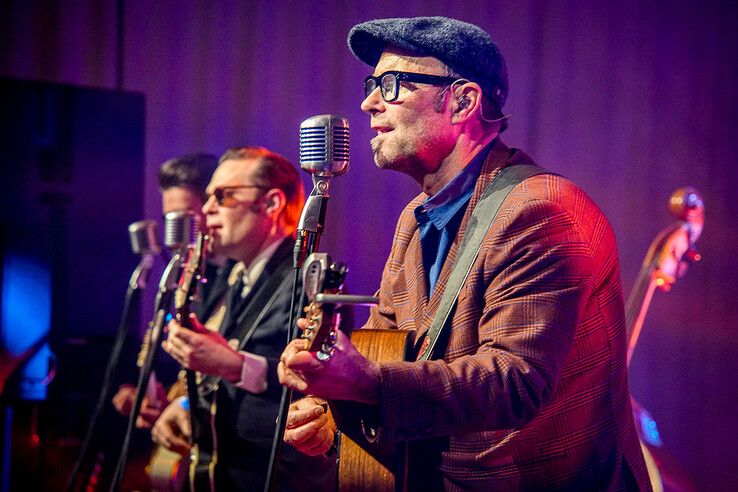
column 310, row 428
column 172, row 429
column 345, row 375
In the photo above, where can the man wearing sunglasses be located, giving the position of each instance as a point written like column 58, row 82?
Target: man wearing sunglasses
column 529, row 389
column 254, row 200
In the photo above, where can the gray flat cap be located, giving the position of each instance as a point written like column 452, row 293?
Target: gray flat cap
column 465, row 48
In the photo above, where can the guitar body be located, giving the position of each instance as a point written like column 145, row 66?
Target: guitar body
column 167, row 470
column 368, row 466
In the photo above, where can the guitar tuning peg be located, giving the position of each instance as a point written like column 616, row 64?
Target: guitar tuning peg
column 692, row 255
column 340, row 267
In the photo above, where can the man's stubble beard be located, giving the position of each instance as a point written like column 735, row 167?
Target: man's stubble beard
column 391, row 157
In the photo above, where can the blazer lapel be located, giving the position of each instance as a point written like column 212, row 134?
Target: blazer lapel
column 217, row 289
column 245, row 306
column 417, row 283
column 498, row 157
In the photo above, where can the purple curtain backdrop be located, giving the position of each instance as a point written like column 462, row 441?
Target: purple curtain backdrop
column 630, row 99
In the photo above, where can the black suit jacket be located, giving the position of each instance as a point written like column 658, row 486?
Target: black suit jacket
column 245, row 421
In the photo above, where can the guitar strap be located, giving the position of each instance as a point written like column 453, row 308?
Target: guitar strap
column 479, row 223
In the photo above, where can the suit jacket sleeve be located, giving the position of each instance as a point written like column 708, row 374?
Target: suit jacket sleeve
column 538, row 271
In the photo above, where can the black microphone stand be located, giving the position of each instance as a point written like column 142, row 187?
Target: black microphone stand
column 167, row 286
column 309, row 231
column 136, row 284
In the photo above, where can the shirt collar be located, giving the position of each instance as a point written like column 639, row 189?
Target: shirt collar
column 443, row 206
column 257, row 266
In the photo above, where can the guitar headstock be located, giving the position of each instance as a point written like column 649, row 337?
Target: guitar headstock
column 321, row 275
column 673, row 249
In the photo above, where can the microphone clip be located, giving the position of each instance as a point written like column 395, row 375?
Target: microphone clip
column 312, row 220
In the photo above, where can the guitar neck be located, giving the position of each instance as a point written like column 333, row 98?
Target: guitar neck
column 637, row 306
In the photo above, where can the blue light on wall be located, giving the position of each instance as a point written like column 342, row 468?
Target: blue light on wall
column 25, row 319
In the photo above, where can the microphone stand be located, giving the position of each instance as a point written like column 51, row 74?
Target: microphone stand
column 309, row 231
column 167, row 286
column 136, row 284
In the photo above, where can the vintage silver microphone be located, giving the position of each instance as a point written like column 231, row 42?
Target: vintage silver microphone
column 144, row 239
column 144, row 242
column 324, row 153
column 181, row 228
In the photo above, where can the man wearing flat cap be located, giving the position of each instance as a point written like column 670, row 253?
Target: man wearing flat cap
column 525, row 388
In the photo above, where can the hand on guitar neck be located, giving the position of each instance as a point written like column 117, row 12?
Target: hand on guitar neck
column 201, row 350
column 345, row 375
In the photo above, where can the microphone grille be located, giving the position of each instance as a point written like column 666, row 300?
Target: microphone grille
column 144, row 239
column 324, row 145
column 181, row 228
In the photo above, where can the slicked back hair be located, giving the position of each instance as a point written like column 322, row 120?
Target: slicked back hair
column 274, row 171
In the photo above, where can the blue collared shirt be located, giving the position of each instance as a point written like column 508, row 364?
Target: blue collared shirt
column 439, row 217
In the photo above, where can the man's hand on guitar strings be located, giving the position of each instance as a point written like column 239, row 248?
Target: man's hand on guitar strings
column 172, row 430
column 202, row 350
column 310, row 429
column 347, row 375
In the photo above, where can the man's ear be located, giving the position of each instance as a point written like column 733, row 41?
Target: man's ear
column 273, row 202
column 466, row 100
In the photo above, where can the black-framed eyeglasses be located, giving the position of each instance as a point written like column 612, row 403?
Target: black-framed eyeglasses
column 224, row 194
column 389, row 82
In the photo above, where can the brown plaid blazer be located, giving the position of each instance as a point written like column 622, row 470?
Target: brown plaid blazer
column 532, row 391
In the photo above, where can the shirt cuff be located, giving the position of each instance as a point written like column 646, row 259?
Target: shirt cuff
column 253, row 373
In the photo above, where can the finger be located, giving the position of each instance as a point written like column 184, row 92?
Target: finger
column 299, row 417
column 291, row 379
column 150, row 414
column 305, row 432
column 304, row 361
column 292, row 348
column 171, row 344
column 176, row 353
column 161, row 433
column 195, row 324
column 179, row 445
column 173, row 325
column 320, row 443
column 302, row 323
column 182, row 336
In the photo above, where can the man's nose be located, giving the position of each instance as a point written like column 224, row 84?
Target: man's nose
column 373, row 103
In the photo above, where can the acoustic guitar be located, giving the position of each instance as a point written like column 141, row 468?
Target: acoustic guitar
column 363, row 465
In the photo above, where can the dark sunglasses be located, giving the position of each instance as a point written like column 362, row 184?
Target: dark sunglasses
column 224, row 194
column 389, row 82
